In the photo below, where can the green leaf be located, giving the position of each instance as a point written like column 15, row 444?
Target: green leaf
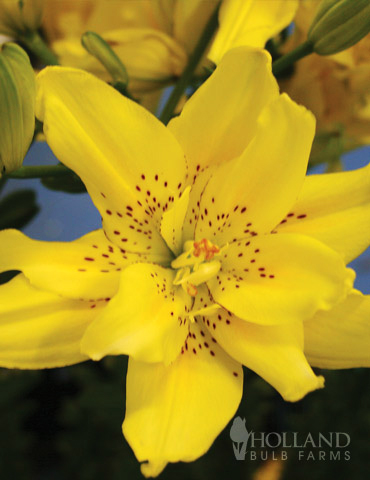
column 17, row 209
column 68, row 184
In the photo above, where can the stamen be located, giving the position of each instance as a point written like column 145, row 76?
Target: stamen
column 202, row 273
column 206, row 247
column 209, row 310
column 194, row 266
column 203, row 311
column 191, row 289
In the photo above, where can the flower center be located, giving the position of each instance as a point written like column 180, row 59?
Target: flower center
column 196, row 265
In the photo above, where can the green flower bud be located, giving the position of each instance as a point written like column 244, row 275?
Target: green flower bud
column 18, row 17
column 338, row 25
column 103, row 52
column 17, row 101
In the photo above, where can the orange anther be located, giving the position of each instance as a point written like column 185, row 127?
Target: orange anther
column 207, row 248
column 191, row 289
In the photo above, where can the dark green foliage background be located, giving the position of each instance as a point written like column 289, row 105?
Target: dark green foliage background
column 66, row 424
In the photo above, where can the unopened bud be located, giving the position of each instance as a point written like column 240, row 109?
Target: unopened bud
column 338, row 25
column 17, row 100
column 103, row 52
column 18, row 17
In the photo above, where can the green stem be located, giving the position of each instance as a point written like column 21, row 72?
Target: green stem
column 38, row 47
column 41, row 172
column 188, row 73
column 287, row 60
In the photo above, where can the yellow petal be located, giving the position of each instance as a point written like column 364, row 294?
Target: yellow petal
column 172, row 223
column 146, row 319
column 87, row 268
column 148, row 55
column 273, row 352
column 340, row 338
column 335, row 209
column 256, row 190
column 250, row 22
column 127, row 14
column 220, row 119
column 40, row 329
column 192, row 215
column 174, row 413
column 131, row 165
column 275, row 279
column 189, row 19
column 67, row 18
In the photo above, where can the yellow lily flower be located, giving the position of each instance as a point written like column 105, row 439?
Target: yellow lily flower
column 215, row 252
column 335, row 88
column 154, row 38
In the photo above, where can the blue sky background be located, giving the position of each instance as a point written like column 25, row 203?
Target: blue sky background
column 66, row 216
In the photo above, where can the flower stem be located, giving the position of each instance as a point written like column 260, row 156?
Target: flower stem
column 188, row 73
column 284, row 62
column 34, row 42
column 40, row 171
